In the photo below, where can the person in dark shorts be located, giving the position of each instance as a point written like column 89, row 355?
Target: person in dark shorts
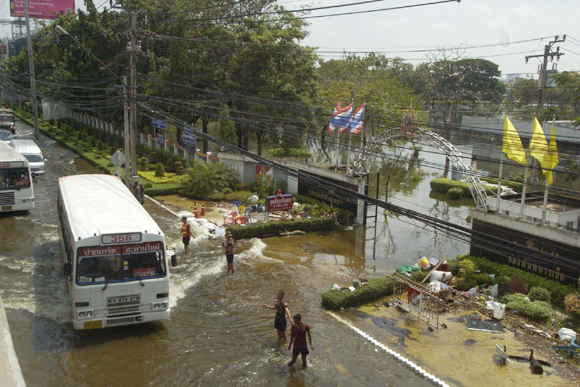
column 229, row 247
column 186, row 233
column 282, row 311
column 298, row 338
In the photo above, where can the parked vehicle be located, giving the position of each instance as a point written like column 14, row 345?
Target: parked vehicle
column 16, row 191
column 33, row 154
column 7, row 120
column 6, row 136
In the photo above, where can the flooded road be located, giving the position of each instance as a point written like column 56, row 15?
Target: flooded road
column 218, row 333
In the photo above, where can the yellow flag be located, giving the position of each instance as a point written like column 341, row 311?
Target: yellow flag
column 512, row 144
column 553, row 155
column 539, row 145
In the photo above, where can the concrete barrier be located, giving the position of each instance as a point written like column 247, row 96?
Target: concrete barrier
column 10, row 373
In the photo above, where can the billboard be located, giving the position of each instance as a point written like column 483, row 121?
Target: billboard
column 42, row 9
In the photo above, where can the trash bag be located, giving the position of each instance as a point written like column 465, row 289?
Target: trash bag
column 407, row 269
column 494, row 291
column 566, row 334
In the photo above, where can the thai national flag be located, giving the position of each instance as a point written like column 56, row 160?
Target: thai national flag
column 345, row 115
column 357, row 123
column 340, row 118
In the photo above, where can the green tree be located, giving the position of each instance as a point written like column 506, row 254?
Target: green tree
column 204, row 179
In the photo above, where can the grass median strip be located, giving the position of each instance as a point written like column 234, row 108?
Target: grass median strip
column 377, row 288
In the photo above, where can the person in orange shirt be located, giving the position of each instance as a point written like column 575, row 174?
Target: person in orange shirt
column 186, row 233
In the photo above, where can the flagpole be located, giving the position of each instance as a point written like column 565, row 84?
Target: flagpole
column 523, row 202
column 337, row 141
column 545, row 207
column 349, row 135
column 497, row 208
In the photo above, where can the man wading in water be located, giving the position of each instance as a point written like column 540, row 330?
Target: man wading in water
column 229, row 247
column 282, row 311
column 186, row 233
column 298, row 338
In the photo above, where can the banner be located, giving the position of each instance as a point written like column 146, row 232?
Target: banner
column 279, row 203
column 42, row 9
column 160, row 139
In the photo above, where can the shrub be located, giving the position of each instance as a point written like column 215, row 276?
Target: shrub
column 99, row 145
column 163, row 191
column 97, row 157
column 535, row 310
column 203, row 179
column 227, row 191
column 572, row 303
column 518, row 187
column 538, row 293
column 517, row 285
column 143, row 164
column 454, row 193
column 377, row 288
column 110, row 165
column 558, row 290
column 442, row 185
column 467, row 267
column 502, row 285
column 147, row 184
column 179, row 170
column 159, row 170
column 273, row 228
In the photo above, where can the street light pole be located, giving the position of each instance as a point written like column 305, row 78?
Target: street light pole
column 31, row 71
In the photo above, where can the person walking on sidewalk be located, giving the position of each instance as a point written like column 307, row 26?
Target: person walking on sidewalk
column 186, row 233
column 282, row 311
column 229, row 248
column 298, row 338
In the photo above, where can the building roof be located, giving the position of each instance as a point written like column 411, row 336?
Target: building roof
column 101, row 204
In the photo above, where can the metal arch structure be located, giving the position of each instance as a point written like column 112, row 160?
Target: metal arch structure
column 374, row 146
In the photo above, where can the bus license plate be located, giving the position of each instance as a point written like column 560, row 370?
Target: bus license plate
column 6, row 208
column 93, row 324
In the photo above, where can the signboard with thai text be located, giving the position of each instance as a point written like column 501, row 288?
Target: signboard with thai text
column 159, row 124
column 42, row 9
column 188, row 139
column 160, row 139
column 279, row 203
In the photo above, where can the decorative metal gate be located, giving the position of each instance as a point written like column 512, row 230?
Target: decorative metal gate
column 409, row 129
column 416, row 299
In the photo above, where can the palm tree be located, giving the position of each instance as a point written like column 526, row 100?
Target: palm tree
column 206, row 178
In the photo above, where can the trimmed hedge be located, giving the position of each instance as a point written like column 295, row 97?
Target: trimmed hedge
column 558, row 290
column 518, row 187
column 443, row 185
column 455, row 193
column 171, row 190
column 272, row 228
column 377, row 288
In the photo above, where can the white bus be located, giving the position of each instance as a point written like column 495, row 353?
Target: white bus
column 16, row 191
column 114, row 252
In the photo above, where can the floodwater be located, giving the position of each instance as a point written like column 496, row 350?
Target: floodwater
column 218, row 333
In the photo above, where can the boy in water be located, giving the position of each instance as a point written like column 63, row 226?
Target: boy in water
column 282, row 311
column 298, row 338
column 229, row 247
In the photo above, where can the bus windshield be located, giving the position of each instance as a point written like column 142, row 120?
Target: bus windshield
column 14, row 178
column 120, row 263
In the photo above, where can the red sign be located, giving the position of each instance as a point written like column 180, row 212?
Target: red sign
column 415, row 298
column 279, row 203
column 142, row 248
column 42, row 9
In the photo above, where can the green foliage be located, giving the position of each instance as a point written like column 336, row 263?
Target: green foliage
column 572, row 303
column 273, row 228
column 558, row 290
column 147, row 184
column 467, row 267
column 289, row 152
column 538, row 293
column 143, row 164
column 165, row 190
column 535, row 310
column 502, row 285
column 230, row 196
column 159, row 170
column 473, row 280
column 454, row 193
column 377, row 288
column 443, row 185
column 204, row 179
column 518, row 187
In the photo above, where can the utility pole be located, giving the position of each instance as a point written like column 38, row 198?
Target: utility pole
column 544, row 70
column 126, row 134
column 349, row 136
column 31, row 71
column 133, row 49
